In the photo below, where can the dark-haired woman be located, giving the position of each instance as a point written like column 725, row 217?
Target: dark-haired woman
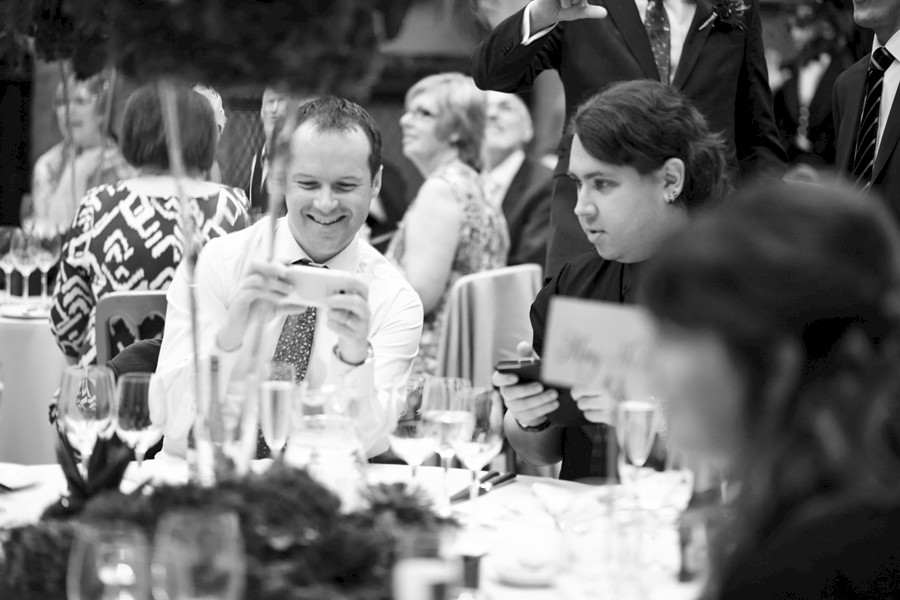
column 128, row 236
column 643, row 159
column 777, row 321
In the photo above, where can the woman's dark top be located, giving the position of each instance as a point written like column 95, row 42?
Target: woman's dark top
column 591, row 277
column 845, row 551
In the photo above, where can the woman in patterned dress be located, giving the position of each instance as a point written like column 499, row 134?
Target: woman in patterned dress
column 128, row 235
column 450, row 229
column 97, row 158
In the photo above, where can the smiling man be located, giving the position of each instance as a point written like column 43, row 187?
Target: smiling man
column 358, row 342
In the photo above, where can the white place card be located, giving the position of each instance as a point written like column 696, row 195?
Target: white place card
column 592, row 343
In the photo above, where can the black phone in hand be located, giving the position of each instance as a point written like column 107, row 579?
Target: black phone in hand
column 529, row 370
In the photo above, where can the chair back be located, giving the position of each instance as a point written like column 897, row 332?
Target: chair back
column 128, row 309
column 487, row 317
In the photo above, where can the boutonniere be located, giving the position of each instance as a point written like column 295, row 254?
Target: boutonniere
column 729, row 12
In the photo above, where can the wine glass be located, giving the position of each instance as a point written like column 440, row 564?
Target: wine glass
column 6, row 260
column 48, row 242
column 277, row 385
column 410, row 440
column 199, row 554
column 132, row 415
column 24, row 254
column 28, row 213
column 636, row 426
column 109, row 561
column 446, row 420
column 86, row 407
column 486, row 439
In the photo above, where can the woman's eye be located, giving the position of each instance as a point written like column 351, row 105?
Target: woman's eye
column 601, row 184
column 577, row 183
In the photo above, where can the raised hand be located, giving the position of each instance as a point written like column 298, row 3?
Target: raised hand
column 545, row 13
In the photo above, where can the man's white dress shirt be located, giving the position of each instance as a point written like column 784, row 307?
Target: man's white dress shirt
column 889, row 86
column 395, row 329
column 498, row 179
column 680, row 13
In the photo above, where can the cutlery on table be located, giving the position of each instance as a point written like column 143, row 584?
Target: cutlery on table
column 487, row 484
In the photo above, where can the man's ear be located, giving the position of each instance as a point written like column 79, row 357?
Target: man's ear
column 376, row 182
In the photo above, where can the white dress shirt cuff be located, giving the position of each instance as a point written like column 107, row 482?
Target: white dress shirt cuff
column 527, row 37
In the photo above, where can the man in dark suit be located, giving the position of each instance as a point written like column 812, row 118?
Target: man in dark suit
column 716, row 59
column 868, row 126
column 520, row 186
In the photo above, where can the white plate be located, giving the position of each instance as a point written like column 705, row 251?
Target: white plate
column 24, row 311
column 18, row 476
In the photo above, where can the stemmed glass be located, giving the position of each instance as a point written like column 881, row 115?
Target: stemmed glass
column 109, row 561
column 24, row 255
column 86, row 407
column 48, row 242
column 636, row 425
column 199, row 554
column 277, row 386
column 446, row 420
column 410, row 440
column 6, row 258
column 132, row 415
column 486, row 439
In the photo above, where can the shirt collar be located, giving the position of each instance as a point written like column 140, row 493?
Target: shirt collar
column 503, row 174
column 892, row 45
column 289, row 251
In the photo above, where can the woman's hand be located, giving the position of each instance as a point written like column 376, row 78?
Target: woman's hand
column 598, row 405
column 529, row 403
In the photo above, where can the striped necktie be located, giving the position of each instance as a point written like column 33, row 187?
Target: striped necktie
column 656, row 22
column 867, row 138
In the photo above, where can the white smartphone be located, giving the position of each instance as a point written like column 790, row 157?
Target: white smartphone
column 312, row 285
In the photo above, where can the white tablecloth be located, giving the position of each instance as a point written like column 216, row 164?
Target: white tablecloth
column 590, row 559
column 32, row 366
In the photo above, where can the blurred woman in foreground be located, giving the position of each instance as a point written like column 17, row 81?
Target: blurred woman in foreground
column 777, row 349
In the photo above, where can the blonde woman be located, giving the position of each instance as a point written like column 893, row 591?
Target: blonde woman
column 450, row 229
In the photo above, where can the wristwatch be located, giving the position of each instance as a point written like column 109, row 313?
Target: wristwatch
column 534, row 428
column 369, row 355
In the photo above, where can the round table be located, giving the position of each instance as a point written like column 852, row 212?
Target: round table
column 32, row 366
column 594, row 555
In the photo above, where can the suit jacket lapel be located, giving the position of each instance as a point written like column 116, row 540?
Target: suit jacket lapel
column 625, row 15
column 694, row 42
column 852, row 90
column 888, row 140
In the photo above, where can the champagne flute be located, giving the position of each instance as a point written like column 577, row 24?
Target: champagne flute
column 277, row 386
column 24, row 257
column 27, row 213
column 410, row 440
column 132, row 415
column 636, row 426
column 86, row 407
column 446, row 420
column 109, row 561
column 49, row 245
column 197, row 555
column 6, row 260
column 486, row 439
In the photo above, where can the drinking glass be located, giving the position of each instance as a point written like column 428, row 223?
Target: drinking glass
column 636, row 426
column 132, row 422
column 48, row 244
column 410, row 440
column 446, row 420
column 277, row 385
column 199, row 554
column 109, row 561
column 486, row 439
column 86, row 406
column 24, row 254
column 27, row 213
column 6, row 259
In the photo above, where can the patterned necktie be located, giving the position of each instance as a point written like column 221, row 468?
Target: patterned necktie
column 656, row 21
column 294, row 346
column 866, row 139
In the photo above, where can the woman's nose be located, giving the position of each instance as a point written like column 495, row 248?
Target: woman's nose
column 583, row 206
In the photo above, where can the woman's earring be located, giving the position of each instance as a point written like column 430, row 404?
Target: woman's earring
column 670, row 197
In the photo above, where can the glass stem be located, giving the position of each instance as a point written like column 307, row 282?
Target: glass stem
column 8, row 280
column 25, row 280
column 43, row 285
column 444, row 509
column 414, row 467
column 474, row 486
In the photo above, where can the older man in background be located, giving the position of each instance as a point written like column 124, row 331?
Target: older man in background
column 519, row 185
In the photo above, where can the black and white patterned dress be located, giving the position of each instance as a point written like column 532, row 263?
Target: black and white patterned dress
column 122, row 240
